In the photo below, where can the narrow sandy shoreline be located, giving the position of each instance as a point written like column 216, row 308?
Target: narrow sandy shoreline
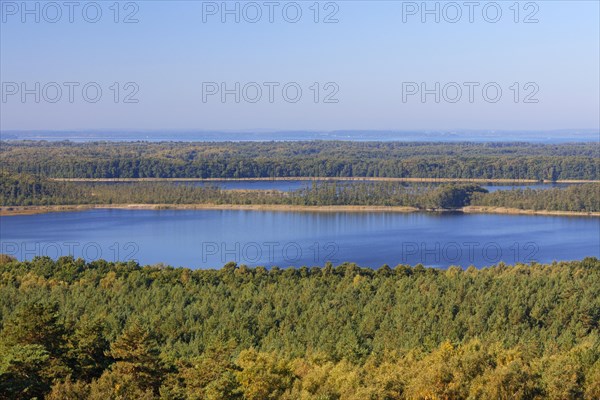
column 305, row 178
column 31, row 210
column 518, row 211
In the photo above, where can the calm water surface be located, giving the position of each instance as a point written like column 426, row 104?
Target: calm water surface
column 210, row 238
column 293, row 185
column 290, row 185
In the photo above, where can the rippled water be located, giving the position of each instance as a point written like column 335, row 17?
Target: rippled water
column 210, row 238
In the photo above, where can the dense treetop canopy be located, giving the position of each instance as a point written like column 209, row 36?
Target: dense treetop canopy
column 71, row 329
column 306, row 159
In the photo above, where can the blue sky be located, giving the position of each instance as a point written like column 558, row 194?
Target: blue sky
column 366, row 61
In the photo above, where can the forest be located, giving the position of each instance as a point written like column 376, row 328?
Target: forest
column 302, row 159
column 102, row 330
column 27, row 190
column 71, row 329
column 573, row 198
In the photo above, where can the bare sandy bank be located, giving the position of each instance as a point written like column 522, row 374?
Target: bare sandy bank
column 30, row 210
column 518, row 211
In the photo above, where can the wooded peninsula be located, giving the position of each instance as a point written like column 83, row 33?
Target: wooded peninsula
column 42, row 194
column 50, row 176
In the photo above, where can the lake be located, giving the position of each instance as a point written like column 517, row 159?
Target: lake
column 290, row 185
column 293, row 185
column 210, row 238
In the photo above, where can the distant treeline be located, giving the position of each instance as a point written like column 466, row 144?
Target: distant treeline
column 572, row 198
column 26, row 190
column 303, row 159
column 99, row 330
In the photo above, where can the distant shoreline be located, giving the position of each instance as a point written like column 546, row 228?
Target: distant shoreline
column 30, row 210
column 308, row 178
column 518, row 211
column 7, row 211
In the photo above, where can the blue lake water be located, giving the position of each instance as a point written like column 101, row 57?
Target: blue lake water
column 294, row 184
column 210, row 238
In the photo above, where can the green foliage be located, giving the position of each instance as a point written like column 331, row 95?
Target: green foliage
column 453, row 196
column 122, row 331
column 212, row 375
column 24, row 371
column 69, row 390
column 89, row 349
column 293, row 159
column 36, row 324
column 263, row 376
column 136, row 356
column 33, row 344
column 24, row 189
column 583, row 197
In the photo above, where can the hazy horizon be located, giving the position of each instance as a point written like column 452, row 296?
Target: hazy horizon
column 375, row 65
column 553, row 136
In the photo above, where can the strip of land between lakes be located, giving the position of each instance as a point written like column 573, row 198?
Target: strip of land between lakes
column 6, row 211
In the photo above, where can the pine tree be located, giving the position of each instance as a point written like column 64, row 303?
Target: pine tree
column 137, row 356
column 32, row 351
